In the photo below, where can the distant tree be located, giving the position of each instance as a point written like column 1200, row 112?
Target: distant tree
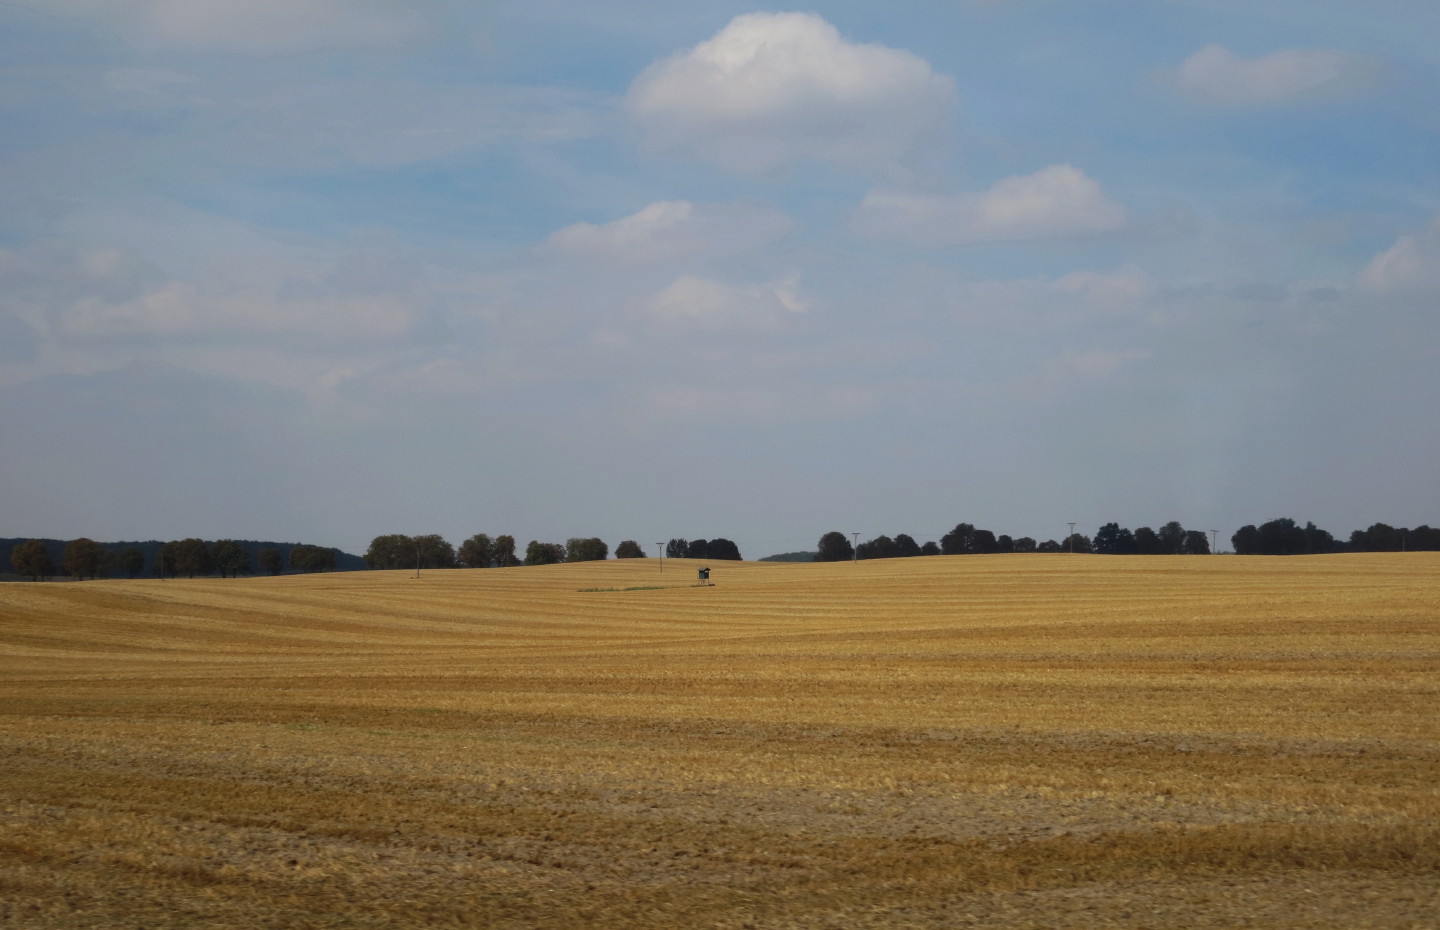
column 881, row 547
column 588, row 549
column 82, row 558
column 192, row 558
column 230, row 559
column 905, row 546
column 1318, row 540
column 1172, row 538
column 1147, row 542
column 983, row 542
column 271, row 561
column 930, row 548
column 834, row 547
column 1380, row 537
column 629, row 549
column 31, row 558
column 1422, row 539
column 1281, row 537
column 1196, row 542
column 313, row 559
column 1004, row 544
column 1077, row 543
column 505, row 552
column 478, row 551
column 435, row 552
column 538, row 553
column 723, row 550
column 675, row 548
column 390, row 552
column 1049, row 545
column 1112, row 539
column 789, row 557
column 1024, row 544
column 1246, row 540
column 698, row 549
column 165, row 560
column 132, row 562
column 958, row 541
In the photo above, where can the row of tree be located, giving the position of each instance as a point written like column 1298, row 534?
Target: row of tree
column 84, row 558
column 719, row 549
column 395, row 550
column 1277, row 537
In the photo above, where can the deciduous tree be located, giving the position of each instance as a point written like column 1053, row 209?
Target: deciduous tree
column 1172, row 538
column 505, row 552
column 192, row 557
column 834, row 547
column 132, row 562
column 538, row 553
column 629, row 549
column 586, row 549
column 724, row 550
column 229, row 558
column 478, row 551
column 31, row 559
column 270, row 561
column 390, row 552
column 83, row 558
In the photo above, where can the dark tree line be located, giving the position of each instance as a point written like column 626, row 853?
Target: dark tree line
column 84, row 558
column 718, row 549
column 1286, row 537
column 395, row 551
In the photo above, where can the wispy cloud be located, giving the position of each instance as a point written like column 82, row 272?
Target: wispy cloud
column 1056, row 202
column 1216, row 75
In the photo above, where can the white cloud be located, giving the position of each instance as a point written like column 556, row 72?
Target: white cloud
column 774, row 88
column 1216, row 75
column 114, row 295
column 248, row 26
column 1055, row 202
column 705, row 303
column 674, row 229
column 1411, row 264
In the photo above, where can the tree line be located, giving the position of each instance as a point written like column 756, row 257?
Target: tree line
column 83, row 558
column 1277, row 537
column 396, row 550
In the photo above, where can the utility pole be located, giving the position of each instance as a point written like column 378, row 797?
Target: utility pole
column 661, row 548
column 417, row 560
column 854, row 555
column 1214, row 541
column 1071, row 539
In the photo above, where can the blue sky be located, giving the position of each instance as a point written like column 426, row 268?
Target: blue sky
column 317, row 271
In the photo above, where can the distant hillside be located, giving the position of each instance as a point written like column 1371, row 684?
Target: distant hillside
column 344, row 561
column 790, row 557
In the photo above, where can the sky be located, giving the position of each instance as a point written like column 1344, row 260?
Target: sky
column 321, row 270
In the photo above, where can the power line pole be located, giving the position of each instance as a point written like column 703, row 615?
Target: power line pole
column 854, row 554
column 661, row 548
column 1071, row 540
column 1214, row 541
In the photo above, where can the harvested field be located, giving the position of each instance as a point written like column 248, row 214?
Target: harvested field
column 988, row 741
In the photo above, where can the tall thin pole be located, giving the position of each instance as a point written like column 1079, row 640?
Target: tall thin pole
column 417, row 560
column 1071, row 540
column 1214, row 541
column 854, row 547
column 661, row 548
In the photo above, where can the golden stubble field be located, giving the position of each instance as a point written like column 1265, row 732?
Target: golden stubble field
column 988, row 741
